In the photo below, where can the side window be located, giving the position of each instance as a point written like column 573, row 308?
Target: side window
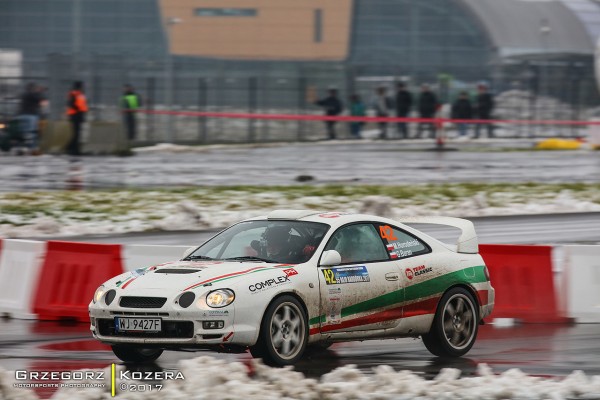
column 401, row 244
column 358, row 244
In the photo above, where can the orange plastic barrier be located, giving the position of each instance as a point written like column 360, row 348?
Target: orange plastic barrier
column 70, row 275
column 522, row 277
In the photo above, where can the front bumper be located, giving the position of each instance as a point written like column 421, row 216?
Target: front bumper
column 180, row 328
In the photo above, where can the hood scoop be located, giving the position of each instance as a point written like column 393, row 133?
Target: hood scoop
column 176, row 271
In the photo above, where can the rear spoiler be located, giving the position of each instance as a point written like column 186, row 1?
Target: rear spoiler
column 467, row 241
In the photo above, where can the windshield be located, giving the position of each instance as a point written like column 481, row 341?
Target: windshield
column 289, row 242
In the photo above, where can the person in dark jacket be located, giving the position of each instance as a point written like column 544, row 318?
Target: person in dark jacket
column 483, row 107
column 29, row 116
column 462, row 109
column 332, row 106
column 403, row 105
column 428, row 103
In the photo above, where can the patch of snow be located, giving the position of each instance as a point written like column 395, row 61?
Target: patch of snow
column 209, row 378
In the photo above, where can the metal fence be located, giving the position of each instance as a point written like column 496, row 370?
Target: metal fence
column 523, row 91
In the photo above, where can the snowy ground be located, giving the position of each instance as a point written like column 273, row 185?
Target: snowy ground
column 209, row 378
column 58, row 213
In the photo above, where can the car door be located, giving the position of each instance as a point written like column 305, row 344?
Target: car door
column 351, row 292
column 414, row 259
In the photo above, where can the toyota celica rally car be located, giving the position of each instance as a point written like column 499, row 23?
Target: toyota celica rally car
column 292, row 279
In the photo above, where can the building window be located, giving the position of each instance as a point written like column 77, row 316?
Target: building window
column 225, row 12
column 318, row 34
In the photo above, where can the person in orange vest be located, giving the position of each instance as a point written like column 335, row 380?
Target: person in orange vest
column 76, row 110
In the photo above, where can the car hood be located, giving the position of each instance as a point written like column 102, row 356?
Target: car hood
column 189, row 275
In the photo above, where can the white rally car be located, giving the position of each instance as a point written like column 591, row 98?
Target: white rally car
column 293, row 279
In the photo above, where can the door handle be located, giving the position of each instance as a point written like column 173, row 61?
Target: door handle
column 392, row 276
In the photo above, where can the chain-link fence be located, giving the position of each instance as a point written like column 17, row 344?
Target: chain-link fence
column 523, row 91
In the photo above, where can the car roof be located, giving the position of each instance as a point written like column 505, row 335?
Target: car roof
column 332, row 218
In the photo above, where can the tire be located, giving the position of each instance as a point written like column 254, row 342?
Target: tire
column 455, row 324
column 136, row 354
column 283, row 333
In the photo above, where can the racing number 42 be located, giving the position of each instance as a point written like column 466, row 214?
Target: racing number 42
column 387, row 232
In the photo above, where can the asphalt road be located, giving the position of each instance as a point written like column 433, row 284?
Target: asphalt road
column 544, row 350
column 375, row 162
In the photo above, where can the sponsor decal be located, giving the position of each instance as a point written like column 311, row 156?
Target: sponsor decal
column 393, row 256
column 334, row 314
column 332, row 215
column 269, row 283
column 216, row 313
column 403, row 245
column 417, row 271
column 290, row 272
column 389, row 247
column 342, row 275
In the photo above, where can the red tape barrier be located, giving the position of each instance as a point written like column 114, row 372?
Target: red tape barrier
column 345, row 118
column 70, row 275
column 524, row 283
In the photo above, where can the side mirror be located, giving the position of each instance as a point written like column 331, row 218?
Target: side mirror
column 188, row 251
column 330, row 258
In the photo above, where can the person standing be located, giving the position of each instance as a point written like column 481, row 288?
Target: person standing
column 29, row 116
column 333, row 107
column 462, row 109
column 403, row 105
column 130, row 103
column 357, row 109
column 382, row 105
column 76, row 110
column 427, row 107
column 484, row 106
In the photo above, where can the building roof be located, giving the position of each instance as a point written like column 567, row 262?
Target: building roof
column 534, row 27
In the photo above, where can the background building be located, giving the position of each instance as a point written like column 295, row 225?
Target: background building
column 268, row 54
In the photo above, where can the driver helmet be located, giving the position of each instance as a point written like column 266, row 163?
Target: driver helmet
column 276, row 237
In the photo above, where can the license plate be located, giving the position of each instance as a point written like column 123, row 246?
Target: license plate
column 137, row 324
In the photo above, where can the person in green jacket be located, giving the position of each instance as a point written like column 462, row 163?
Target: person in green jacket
column 357, row 109
column 130, row 103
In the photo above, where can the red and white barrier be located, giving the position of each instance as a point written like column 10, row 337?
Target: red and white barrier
column 139, row 256
column 70, row 275
column 581, row 283
column 57, row 280
column 524, row 282
column 20, row 263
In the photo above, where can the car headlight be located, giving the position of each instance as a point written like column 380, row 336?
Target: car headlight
column 99, row 292
column 220, row 298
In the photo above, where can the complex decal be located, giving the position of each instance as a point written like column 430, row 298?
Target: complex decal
column 342, row 275
column 260, row 286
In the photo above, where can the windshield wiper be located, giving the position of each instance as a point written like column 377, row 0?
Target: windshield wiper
column 250, row 258
column 188, row 258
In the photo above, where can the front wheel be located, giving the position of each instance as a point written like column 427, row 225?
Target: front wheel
column 283, row 333
column 454, row 326
column 136, row 354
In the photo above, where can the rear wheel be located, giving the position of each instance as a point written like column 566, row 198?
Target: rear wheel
column 283, row 333
column 136, row 354
column 454, row 326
